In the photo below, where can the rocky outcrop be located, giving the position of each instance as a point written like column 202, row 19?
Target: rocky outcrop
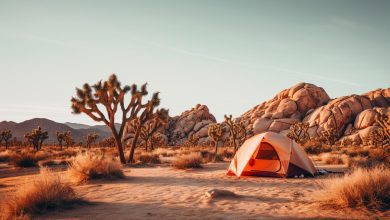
column 191, row 122
column 286, row 108
column 348, row 114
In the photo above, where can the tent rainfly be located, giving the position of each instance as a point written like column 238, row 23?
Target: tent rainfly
column 271, row 154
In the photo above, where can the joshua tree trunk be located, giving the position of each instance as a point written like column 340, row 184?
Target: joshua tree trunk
column 134, row 144
column 216, row 147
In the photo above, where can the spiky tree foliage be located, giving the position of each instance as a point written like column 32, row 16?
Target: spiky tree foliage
column 68, row 139
column 60, row 138
column 157, row 140
column 298, row 132
column 237, row 132
column 193, row 140
column 107, row 142
column 110, row 96
column 90, row 139
column 376, row 138
column 159, row 118
column 215, row 132
column 328, row 136
column 383, row 121
column 346, row 142
column 5, row 136
column 37, row 137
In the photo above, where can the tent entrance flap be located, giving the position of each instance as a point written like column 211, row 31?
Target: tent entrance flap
column 266, row 159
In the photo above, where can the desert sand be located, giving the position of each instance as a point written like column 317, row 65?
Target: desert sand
column 165, row 193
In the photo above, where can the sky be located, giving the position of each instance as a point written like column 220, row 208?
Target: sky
column 228, row 55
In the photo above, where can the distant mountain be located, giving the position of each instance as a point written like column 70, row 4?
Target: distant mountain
column 19, row 129
column 102, row 128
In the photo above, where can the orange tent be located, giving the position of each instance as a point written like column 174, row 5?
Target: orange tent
column 271, row 154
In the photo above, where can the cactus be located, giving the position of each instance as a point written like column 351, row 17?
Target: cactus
column 298, row 132
column 237, row 132
column 37, row 137
column 215, row 132
column 110, row 95
column 90, row 139
column 5, row 136
column 159, row 118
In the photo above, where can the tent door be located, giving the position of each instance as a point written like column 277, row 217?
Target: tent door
column 266, row 159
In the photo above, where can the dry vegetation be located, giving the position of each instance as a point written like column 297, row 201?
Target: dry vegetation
column 88, row 166
column 47, row 192
column 187, row 161
column 368, row 188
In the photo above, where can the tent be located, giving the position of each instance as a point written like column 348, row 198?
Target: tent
column 271, row 154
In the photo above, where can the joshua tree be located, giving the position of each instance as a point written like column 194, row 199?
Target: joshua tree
column 5, row 136
column 110, row 95
column 90, row 139
column 159, row 118
column 376, row 138
column 60, row 138
column 108, row 142
column 157, row 140
column 215, row 132
column 237, row 132
column 346, row 142
column 68, row 139
column 37, row 137
column 298, row 132
column 328, row 136
column 193, row 140
column 383, row 121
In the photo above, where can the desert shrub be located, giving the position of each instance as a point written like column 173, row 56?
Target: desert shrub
column 24, row 160
column 47, row 192
column 66, row 153
column 376, row 156
column 192, row 160
column 148, row 158
column 90, row 166
column 363, row 187
column 317, row 149
column 165, row 152
column 6, row 156
column 329, row 158
column 227, row 153
column 212, row 157
column 357, row 151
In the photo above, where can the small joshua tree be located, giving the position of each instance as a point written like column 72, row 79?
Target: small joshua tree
column 110, row 95
column 108, row 142
column 383, row 121
column 90, row 139
column 346, row 142
column 5, row 136
column 215, row 132
column 37, row 137
column 157, row 140
column 328, row 136
column 193, row 140
column 159, row 118
column 237, row 132
column 298, row 132
column 60, row 138
column 376, row 138
column 68, row 139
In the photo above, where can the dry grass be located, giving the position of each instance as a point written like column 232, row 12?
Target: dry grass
column 24, row 160
column 148, row 158
column 88, row 166
column 357, row 151
column 192, row 160
column 335, row 159
column 47, row 192
column 317, row 149
column 6, row 156
column 165, row 152
column 368, row 188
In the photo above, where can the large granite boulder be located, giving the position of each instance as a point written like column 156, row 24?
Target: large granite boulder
column 191, row 122
column 286, row 108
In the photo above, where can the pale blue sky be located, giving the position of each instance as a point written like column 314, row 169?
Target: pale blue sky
column 229, row 55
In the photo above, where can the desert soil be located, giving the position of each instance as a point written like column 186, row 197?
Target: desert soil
column 166, row 193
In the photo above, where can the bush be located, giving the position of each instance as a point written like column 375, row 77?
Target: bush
column 317, row 149
column 164, row 152
column 363, row 187
column 192, row 160
column 329, row 158
column 46, row 193
column 357, row 151
column 24, row 160
column 148, row 158
column 90, row 166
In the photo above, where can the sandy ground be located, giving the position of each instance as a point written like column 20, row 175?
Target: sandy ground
column 165, row 193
